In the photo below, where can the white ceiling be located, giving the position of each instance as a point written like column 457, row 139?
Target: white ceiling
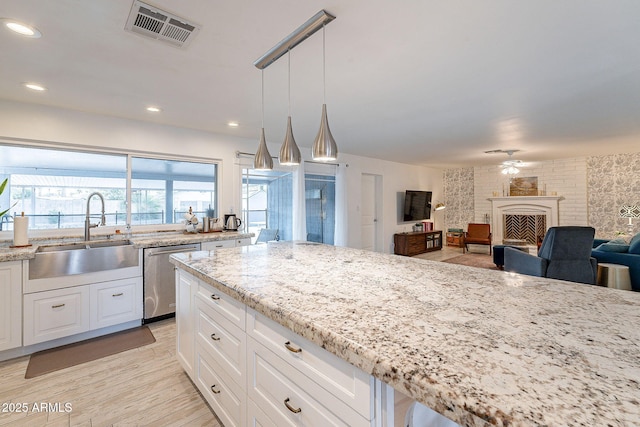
column 415, row 81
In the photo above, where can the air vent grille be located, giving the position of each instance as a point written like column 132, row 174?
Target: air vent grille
column 155, row 23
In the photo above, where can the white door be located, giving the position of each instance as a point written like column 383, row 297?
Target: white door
column 369, row 212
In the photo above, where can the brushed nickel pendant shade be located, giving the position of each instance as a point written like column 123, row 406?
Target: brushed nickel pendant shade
column 262, row 159
column 324, row 147
column 289, row 152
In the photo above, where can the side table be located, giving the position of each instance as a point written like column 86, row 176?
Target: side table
column 614, row 276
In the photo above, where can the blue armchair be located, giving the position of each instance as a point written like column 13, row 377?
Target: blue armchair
column 565, row 254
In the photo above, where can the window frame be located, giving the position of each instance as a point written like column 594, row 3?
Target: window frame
column 129, row 154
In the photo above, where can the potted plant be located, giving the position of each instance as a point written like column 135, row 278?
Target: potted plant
column 2, row 187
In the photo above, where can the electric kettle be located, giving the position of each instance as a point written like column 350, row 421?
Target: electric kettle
column 231, row 222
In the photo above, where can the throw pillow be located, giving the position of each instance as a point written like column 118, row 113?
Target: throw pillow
column 634, row 245
column 616, row 245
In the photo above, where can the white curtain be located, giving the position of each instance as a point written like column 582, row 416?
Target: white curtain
column 340, row 236
column 299, row 204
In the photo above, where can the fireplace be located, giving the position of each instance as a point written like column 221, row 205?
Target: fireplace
column 524, row 227
column 523, row 218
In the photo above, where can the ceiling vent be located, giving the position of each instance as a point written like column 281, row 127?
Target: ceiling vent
column 157, row 24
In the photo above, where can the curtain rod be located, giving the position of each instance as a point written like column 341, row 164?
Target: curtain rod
column 241, row 153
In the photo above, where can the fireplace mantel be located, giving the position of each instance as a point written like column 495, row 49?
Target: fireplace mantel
column 522, row 205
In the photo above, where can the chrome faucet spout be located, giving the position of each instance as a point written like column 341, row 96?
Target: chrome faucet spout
column 87, row 223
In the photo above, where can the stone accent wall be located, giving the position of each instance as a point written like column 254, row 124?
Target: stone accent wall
column 613, row 181
column 459, row 197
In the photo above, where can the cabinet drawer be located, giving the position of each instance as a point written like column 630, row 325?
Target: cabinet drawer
column 218, row 244
column 348, row 383
column 224, row 305
column 55, row 314
column 116, row 302
column 290, row 398
column 225, row 342
column 226, row 398
column 243, row 242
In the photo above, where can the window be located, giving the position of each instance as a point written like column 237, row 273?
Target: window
column 267, row 202
column 51, row 186
column 162, row 191
column 320, row 196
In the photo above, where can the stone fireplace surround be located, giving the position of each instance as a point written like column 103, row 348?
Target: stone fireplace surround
column 525, row 205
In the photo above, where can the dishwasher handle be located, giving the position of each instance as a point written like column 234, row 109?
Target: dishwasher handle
column 175, row 251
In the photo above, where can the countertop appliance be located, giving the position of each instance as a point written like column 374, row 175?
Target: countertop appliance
column 159, row 281
column 231, row 222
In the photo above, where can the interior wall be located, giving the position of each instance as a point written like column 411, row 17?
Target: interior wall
column 37, row 123
column 592, row 189
column 613, row 181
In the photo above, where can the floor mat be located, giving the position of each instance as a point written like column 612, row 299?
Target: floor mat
column 69, row 355
column 473, row 260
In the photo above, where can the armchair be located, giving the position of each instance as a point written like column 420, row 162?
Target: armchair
column 477, row 234
column 565, row 254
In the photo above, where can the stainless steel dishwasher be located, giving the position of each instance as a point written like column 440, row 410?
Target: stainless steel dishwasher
column 160, row 282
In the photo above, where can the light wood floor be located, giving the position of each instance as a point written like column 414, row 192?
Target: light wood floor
column 141, row 387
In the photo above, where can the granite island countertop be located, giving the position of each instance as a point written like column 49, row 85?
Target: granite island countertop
column 142, row 240
column 481, row 347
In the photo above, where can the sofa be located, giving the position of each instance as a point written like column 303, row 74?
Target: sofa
column 618, row 251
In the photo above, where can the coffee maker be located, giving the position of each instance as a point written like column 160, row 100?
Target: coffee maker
column 231, row 222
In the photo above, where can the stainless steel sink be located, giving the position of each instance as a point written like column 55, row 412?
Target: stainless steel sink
column 81, row 258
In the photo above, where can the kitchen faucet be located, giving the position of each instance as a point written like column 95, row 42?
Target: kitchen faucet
column 87, row 224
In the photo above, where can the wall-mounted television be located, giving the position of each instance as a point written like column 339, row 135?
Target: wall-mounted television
column 417, row 205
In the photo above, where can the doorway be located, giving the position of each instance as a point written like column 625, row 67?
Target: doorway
column 371, row 212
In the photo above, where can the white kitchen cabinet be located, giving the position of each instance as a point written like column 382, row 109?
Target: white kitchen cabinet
column 245, row 241
column 186, row 288
column 255, row 372
column 219, row 244
column 290, row 398
column 227, row 399
column 115, row 302
column 56, row 314
column 10, row 305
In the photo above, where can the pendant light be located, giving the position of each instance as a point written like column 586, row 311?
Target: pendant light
column 324, row 147
column 289, row 152
column 262, row 160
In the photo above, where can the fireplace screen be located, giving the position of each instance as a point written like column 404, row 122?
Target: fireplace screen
column 525, row 227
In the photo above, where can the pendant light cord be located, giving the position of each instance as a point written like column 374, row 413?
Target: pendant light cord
column 324, row 66
column 289, row 79
column 262, row 75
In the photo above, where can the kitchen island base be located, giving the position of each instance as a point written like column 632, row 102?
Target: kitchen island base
column 253, row 371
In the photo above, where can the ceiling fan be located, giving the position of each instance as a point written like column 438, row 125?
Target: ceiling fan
column 510, row 166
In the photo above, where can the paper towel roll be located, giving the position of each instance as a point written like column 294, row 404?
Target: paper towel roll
column 20, row 226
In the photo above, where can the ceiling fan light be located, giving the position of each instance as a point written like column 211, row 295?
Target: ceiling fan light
column 262, row 159
column 289, row 152
column 324, row 147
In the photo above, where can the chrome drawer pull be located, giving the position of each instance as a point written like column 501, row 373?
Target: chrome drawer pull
column 291, row 408
column 117, row 295
column 291, row 348
column 215, row 297
column 213, row 337
column 213, row 389
column 58, row 306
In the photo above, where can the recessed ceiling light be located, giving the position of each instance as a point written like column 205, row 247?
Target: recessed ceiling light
column 22, row 29
column 153, row 109
column 233, row 124
column 35, row 86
